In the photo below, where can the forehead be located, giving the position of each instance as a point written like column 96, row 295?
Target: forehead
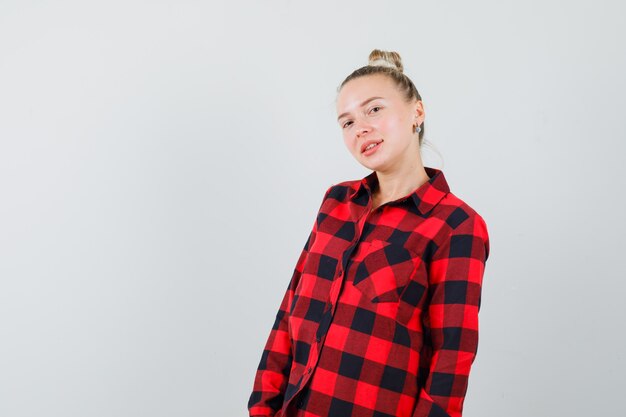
column 354, row 92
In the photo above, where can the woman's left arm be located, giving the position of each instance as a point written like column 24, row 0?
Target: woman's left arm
column 455, row 279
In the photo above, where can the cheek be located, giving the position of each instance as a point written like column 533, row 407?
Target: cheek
column 397, row 127
column 391, row 123
column 349, row 142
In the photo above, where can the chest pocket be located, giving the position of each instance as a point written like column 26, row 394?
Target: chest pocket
column 383, row 270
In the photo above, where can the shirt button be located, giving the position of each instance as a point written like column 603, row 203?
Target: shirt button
column 308, row 371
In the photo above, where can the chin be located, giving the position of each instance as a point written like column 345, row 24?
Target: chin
column 374, row 166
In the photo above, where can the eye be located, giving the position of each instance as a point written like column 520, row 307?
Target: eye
column 375, row 107
column 345, row 124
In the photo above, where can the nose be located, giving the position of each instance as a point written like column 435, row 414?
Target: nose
column 361, row 129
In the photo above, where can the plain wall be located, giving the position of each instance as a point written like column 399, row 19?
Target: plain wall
column 162, row 162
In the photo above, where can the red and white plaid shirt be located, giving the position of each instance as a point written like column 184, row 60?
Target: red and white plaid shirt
column 380, row 317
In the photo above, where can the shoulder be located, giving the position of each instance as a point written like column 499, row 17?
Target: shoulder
column 341, row 190
column 456, row 212
column 459, row 220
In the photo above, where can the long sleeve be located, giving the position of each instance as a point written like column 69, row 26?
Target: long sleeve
column 455, row 279
column 274, row 367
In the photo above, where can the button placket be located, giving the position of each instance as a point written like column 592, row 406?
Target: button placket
column 334, row 296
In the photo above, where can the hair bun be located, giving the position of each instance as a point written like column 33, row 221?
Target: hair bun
column 389, row 59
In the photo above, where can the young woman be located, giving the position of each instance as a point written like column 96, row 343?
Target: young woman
column 380, row 317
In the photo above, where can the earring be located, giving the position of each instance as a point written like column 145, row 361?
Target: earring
column 417, row 129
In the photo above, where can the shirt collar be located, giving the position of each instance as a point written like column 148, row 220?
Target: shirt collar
column 425, row 197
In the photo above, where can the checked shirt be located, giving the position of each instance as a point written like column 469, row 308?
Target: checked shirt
column 380, row 317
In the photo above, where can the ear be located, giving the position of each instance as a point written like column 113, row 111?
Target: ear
column 418, row 111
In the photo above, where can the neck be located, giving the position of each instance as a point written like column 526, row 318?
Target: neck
column 393, row 185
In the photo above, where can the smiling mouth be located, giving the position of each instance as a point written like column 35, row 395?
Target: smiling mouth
column 371, row 146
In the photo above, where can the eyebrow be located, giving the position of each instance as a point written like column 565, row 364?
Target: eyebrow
column 362, row 104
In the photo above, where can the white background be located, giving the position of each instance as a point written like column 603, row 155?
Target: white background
column 162, row 162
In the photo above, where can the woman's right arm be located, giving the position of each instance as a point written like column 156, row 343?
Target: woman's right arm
column 272, row 374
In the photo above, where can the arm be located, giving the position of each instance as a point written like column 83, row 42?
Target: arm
column 273, row 371
column 455, row 276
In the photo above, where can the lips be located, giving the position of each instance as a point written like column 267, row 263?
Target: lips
column 368, row 143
